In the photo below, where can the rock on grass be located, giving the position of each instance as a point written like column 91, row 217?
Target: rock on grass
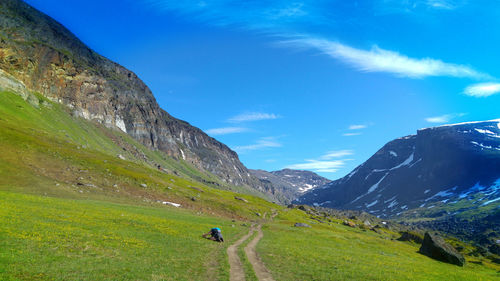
column 435, row 247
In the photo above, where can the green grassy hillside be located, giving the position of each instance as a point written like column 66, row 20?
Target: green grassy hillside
column 47, row 151
column 71, row 209
column 332, row 251
column 45, row 238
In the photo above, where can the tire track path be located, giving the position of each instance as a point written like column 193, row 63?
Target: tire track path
column 236, row 272
column 259, row 268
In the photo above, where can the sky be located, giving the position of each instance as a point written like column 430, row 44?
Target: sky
column 312, row 85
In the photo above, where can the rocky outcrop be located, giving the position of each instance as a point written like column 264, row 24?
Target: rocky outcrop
column 11, row 84
column 47, row 58
column 435, row 247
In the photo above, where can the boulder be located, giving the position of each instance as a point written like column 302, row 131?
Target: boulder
column 411, row 236
column 241, row 199
column 299, row 224
column 435, row 247
column 304, row 208
column 349, row 223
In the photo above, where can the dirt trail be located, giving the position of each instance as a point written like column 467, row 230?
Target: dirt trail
column 258, row 266
column 236, row 272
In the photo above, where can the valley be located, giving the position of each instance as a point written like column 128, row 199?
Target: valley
column 98, row 182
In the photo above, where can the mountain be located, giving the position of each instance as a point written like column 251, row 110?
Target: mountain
column 440, row 171
column 290, row 184
column 48, row 59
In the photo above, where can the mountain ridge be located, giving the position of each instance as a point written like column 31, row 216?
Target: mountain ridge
column 288, row 184
column 51, row 60
column 437, row 164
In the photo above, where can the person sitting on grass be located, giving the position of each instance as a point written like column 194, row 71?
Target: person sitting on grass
column 215, row 235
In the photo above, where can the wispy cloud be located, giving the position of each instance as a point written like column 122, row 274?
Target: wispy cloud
column 357, row 127
column 319, row 166
column 442, row 4
column 226, row 131
column 253, row 116
column 324, row 164
column 411, row 6
column 444, row 118
column 286, row 19
column 336, row 154
column 351, row 134
column 482, row 90
column 255, row 15
column 262, row 143
column 380, row 60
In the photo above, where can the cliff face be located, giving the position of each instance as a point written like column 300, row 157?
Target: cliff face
column 49, row 59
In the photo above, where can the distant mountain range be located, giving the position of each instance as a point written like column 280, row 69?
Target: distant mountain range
column 290, row 184
column 441, row 171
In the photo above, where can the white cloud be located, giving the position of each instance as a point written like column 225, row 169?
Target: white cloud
column 443, row 118
column 482, row 90
column 351, row 134
column 336, row 154
column 442, row 4
column 380, row 60
column 324, row 164
column 260, row 144
column 319, row 166
column 357, row 127
column 252, row 116
column 225, row 131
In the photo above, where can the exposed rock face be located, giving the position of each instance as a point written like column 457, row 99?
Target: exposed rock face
column 49, row 59
column 290, row 184
column 440, row 165
column 436, row 248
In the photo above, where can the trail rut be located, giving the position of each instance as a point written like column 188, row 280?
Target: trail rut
column 236, row 272
column 258, row 266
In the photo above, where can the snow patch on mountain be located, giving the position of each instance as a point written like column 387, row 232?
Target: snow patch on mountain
column 444, row 193
column 490, row 201
column 484, row 131
column 392, row 204
column 405, row 163
column 371, row 204
column 305, row 187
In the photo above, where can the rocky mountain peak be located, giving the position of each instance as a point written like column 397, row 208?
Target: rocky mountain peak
column 438, row 165
column 47, row 58
column 289, row 183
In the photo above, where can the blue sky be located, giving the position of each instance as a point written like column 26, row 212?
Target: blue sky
column 316, row 85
